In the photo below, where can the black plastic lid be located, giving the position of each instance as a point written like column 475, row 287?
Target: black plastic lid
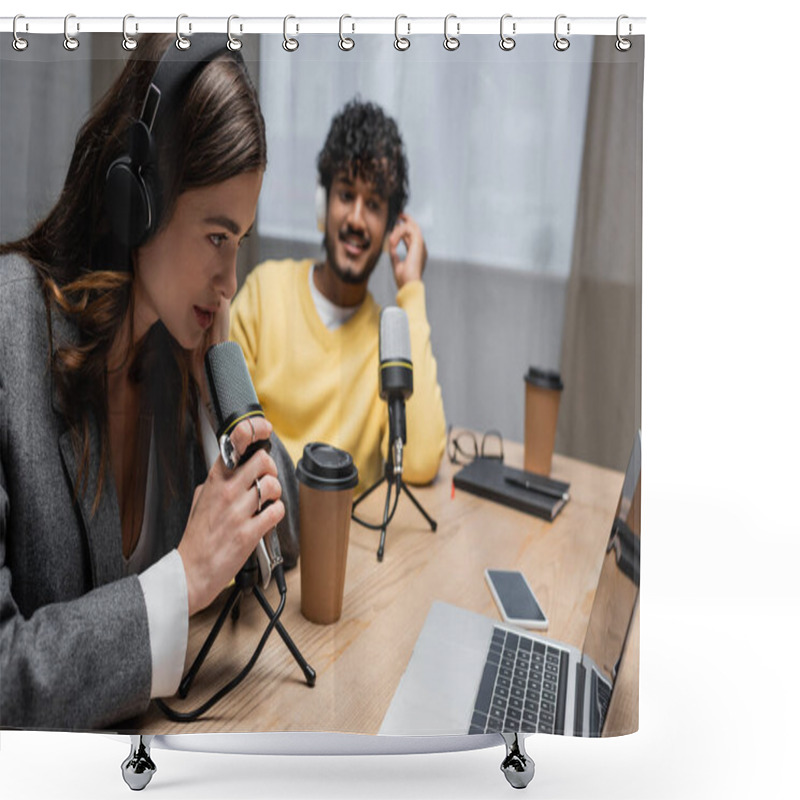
column 544, row 379
column 325, row 467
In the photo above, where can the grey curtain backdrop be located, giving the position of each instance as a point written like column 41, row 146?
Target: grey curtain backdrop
column 602, row 344
column 38, row 94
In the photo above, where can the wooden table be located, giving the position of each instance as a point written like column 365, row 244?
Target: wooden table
column 359, row 660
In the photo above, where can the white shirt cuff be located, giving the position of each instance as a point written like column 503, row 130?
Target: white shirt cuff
column 167, row 602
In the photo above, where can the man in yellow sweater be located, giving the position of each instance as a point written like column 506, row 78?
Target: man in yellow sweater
column 310, row 331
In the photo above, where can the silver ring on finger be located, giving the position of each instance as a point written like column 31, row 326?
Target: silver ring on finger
column 258, row 492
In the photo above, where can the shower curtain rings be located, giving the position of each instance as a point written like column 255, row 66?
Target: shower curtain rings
column 622, row 44
column 233, row 43
column 128, row 42
column 561, row 43
column 19, row 43
column 507, row 42
column 451, row 43
column 70, row 42
column 345, row 42
column 400, row 42
column 289, row 44
column 181, row 42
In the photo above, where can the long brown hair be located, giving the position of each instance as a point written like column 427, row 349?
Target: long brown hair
column 217, row 134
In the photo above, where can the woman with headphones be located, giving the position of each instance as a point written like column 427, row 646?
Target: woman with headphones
column 113, row 530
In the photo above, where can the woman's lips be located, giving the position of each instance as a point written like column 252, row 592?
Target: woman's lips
column 204, row 317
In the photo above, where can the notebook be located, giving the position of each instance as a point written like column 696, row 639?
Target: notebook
column 471, row 674
column 525, row 491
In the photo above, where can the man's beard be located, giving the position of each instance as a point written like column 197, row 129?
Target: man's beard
column 346, row 275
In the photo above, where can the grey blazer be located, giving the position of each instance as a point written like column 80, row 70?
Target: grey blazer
column 74, row 639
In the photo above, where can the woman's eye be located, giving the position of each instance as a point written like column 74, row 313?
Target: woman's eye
column 217, row 239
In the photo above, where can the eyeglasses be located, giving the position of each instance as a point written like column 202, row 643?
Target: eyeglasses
column 462, row 446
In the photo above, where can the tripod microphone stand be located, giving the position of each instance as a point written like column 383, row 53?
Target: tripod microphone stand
column 246, row 581
column 392, row 475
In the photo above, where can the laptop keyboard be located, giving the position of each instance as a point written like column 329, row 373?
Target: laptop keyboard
column 523, row 688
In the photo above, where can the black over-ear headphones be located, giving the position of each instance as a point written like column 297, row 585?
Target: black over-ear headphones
column 132, row 191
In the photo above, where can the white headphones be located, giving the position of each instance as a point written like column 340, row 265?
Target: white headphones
column 321, row 207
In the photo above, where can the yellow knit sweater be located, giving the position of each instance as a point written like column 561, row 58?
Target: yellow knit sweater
column 320, row 385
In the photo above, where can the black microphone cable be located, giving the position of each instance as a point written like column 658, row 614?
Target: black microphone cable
column 372, row 527
column 191, row 716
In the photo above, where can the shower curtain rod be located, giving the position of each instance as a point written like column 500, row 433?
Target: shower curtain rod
column 348, row 25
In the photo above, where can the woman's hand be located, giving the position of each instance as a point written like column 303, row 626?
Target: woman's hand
column 227, row 519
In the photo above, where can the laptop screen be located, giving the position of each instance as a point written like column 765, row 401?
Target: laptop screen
column 618, row 585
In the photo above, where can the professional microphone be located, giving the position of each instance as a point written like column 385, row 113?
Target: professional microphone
column 396, row 377
column 234, row 399
column 396, row 380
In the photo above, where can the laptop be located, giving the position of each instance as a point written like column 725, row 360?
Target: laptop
column 471, row 674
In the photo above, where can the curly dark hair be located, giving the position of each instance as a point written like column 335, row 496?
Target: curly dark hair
column 364, row 142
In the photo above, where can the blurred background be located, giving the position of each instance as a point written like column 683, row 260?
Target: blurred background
column 525, row 177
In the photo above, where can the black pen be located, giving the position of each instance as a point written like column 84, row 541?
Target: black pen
column 534, row 487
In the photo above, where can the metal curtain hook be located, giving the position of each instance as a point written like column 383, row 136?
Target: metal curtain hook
column 70, row 42
column 19, row 43
column 400, row 42
column 181, row 42
column 451, row 42
column 128, row 42
column 622, row 44
column 345, row 43
column 561, row 43
column 289, row 44
column 507, row 42
column 233, row 43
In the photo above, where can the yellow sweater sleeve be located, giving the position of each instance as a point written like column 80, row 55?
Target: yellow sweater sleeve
column 425, row 421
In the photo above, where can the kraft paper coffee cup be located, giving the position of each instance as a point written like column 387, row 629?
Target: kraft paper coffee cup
column 327, row 478
column 542, row 395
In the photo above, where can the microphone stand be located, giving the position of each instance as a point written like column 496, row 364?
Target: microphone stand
column 246, row 581
column 392, row 474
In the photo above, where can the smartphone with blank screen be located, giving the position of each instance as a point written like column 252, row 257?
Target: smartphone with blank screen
column 515, row 599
